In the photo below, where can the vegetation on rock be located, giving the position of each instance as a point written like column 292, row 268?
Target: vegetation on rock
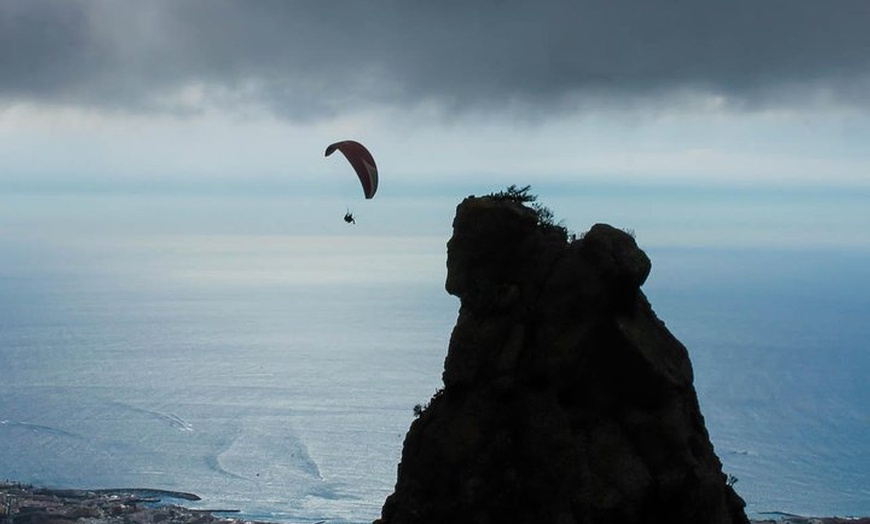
column 523, row 196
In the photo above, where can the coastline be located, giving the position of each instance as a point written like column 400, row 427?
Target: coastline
column 25, row 504
column 785, row 518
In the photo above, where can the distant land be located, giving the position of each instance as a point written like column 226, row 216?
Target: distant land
column 24, row 504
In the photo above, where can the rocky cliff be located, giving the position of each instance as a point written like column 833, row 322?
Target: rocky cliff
column 565, row 399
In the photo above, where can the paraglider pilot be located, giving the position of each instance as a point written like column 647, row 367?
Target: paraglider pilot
column 363, row 164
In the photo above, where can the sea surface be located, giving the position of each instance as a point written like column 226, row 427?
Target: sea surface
column 277, row 375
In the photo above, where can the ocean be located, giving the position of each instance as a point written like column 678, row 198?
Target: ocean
column 277, row 375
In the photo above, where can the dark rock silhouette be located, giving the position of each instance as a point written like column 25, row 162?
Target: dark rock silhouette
column 565, row 399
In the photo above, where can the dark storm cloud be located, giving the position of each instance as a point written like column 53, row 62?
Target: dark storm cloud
column 307, row 58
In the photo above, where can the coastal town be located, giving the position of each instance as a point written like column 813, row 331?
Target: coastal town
column 25, row 504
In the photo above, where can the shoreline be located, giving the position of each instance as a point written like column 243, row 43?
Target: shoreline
column 26, row 504
column 143, row 492
column 787, row 518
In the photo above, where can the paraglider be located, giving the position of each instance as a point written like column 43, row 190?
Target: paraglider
column 364, row 165
column 361, row 161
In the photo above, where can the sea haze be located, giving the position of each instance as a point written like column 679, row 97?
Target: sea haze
column 278, row 374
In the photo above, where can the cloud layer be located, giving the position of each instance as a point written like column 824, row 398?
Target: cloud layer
column 313, row 59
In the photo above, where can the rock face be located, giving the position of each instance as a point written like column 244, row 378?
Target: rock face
column 565, row 399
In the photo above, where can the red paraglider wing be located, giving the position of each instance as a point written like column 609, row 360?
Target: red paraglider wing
column 361, row 161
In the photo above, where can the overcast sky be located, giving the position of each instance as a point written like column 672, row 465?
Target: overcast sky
column 560, row 94
column 316, row 60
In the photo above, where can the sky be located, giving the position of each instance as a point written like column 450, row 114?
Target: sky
column 688, row 122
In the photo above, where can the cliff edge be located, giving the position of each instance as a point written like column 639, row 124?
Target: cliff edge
column 565, row 399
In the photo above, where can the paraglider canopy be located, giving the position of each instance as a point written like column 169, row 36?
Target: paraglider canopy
column 361, row 161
